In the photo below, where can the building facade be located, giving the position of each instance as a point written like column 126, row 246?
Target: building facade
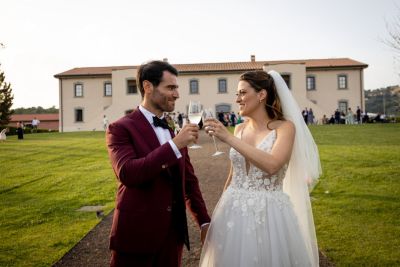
column 87, row 94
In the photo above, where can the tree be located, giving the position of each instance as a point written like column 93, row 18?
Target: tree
column 6, row 98
column 393, row 29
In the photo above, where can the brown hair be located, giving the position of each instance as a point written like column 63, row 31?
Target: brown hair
column 153, row 72
column 260, row 80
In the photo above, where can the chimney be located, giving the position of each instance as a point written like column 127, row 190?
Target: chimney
column 165, row 59
column 253, row 58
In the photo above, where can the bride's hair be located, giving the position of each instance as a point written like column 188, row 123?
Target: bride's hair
column 260, row 80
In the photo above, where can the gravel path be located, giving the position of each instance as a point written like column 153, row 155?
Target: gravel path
column 92, row 250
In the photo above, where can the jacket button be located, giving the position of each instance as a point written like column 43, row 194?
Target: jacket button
column 169, row 208
column 164, row 166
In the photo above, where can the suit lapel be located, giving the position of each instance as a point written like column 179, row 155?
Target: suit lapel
column 142, row 124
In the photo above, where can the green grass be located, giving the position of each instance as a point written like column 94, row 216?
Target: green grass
column 357, row 202
column 44, row 179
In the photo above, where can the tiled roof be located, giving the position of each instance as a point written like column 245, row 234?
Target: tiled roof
column 29, row 117
column 223, row 66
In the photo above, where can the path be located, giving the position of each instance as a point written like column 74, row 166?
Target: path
column 92, row 250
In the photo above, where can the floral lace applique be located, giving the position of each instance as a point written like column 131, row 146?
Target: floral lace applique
column 252, row 190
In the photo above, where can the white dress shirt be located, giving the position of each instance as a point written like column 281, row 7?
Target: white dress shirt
column 163, row 135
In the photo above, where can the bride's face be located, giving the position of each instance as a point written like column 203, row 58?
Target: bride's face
column 247, row 98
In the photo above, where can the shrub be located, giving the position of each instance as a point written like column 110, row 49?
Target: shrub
column 12, row 130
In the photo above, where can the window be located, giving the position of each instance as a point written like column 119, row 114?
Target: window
column 343, row 106
column 310, row 83
column 107, row 89
column 342, row 81
column 131, row 87
column 286, row 78
column 222, row 86
column 78, row 115
column 78, row 90
column 194, row 86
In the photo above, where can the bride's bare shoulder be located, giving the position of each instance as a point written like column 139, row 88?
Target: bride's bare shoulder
column 239, row 127
column 283, row 125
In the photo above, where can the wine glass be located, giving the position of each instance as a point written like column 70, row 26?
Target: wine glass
column 208, row 114
column 195, row 114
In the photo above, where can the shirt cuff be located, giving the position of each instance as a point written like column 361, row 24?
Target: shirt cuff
column 175, row 149
column 204, row 224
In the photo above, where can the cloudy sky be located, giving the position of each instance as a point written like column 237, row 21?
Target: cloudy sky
column 45, row 37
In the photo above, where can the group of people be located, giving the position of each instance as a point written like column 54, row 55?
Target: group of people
column 342, row 117
column 229, row 118
column 21, row 127
column 308, row 116
column 263, row 217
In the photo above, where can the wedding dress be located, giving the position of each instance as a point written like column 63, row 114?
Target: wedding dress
column 254, row 223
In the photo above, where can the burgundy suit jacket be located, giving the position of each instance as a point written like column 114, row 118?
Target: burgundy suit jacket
column 143, row 217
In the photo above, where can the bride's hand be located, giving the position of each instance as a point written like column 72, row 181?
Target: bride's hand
column 215, row 128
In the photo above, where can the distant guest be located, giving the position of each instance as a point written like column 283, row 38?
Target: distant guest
column 20, row 130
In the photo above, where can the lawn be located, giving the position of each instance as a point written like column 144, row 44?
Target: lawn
column 357, row 202
column 46, row 178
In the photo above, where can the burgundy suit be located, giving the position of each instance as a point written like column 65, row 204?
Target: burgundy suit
column 154, row 188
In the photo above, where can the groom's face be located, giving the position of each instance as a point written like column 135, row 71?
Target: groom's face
column 163, row 96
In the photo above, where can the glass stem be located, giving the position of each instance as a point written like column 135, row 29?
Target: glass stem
column 215, row 144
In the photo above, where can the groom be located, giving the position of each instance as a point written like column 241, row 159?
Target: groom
column 156, row 177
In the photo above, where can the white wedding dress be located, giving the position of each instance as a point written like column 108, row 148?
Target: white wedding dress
column 254, row 223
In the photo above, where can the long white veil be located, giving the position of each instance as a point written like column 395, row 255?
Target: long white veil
column 304, row 166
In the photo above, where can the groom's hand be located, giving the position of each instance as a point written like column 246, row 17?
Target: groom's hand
column 188, row 134
column 203, row 234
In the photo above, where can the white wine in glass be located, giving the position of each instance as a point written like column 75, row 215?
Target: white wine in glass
column 208, row 114
column 195, row 114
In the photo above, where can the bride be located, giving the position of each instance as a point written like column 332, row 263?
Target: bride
column 264, row 216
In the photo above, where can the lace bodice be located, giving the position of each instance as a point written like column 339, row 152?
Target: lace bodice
column 256, row 179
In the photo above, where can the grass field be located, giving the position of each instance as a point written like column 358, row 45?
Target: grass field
column 45, row 178
column 357, row 202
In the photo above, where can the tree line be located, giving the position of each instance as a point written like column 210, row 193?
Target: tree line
column 36, row 110
column 383, row 100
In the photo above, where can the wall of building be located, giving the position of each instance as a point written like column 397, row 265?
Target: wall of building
column 327, row 93
column 208, row 94
column 323, row 100
column 93, row 102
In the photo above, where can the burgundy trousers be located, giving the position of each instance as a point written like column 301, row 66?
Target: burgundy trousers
column 170, row 255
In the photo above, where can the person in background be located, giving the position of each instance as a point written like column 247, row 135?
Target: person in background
column 35, row 124
column 324, row 119
column 332, row 120
column 105, row 122
column 239, row 120
column 180, row 120
column 349, row 117
column 310, row 117
column 337, row 116
column 358, row 113
column 20, row 130
column 233, row 119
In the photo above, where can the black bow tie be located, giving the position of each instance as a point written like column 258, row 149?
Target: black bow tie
column 160, row 122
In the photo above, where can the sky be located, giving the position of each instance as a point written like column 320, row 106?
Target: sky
column 46, row 37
